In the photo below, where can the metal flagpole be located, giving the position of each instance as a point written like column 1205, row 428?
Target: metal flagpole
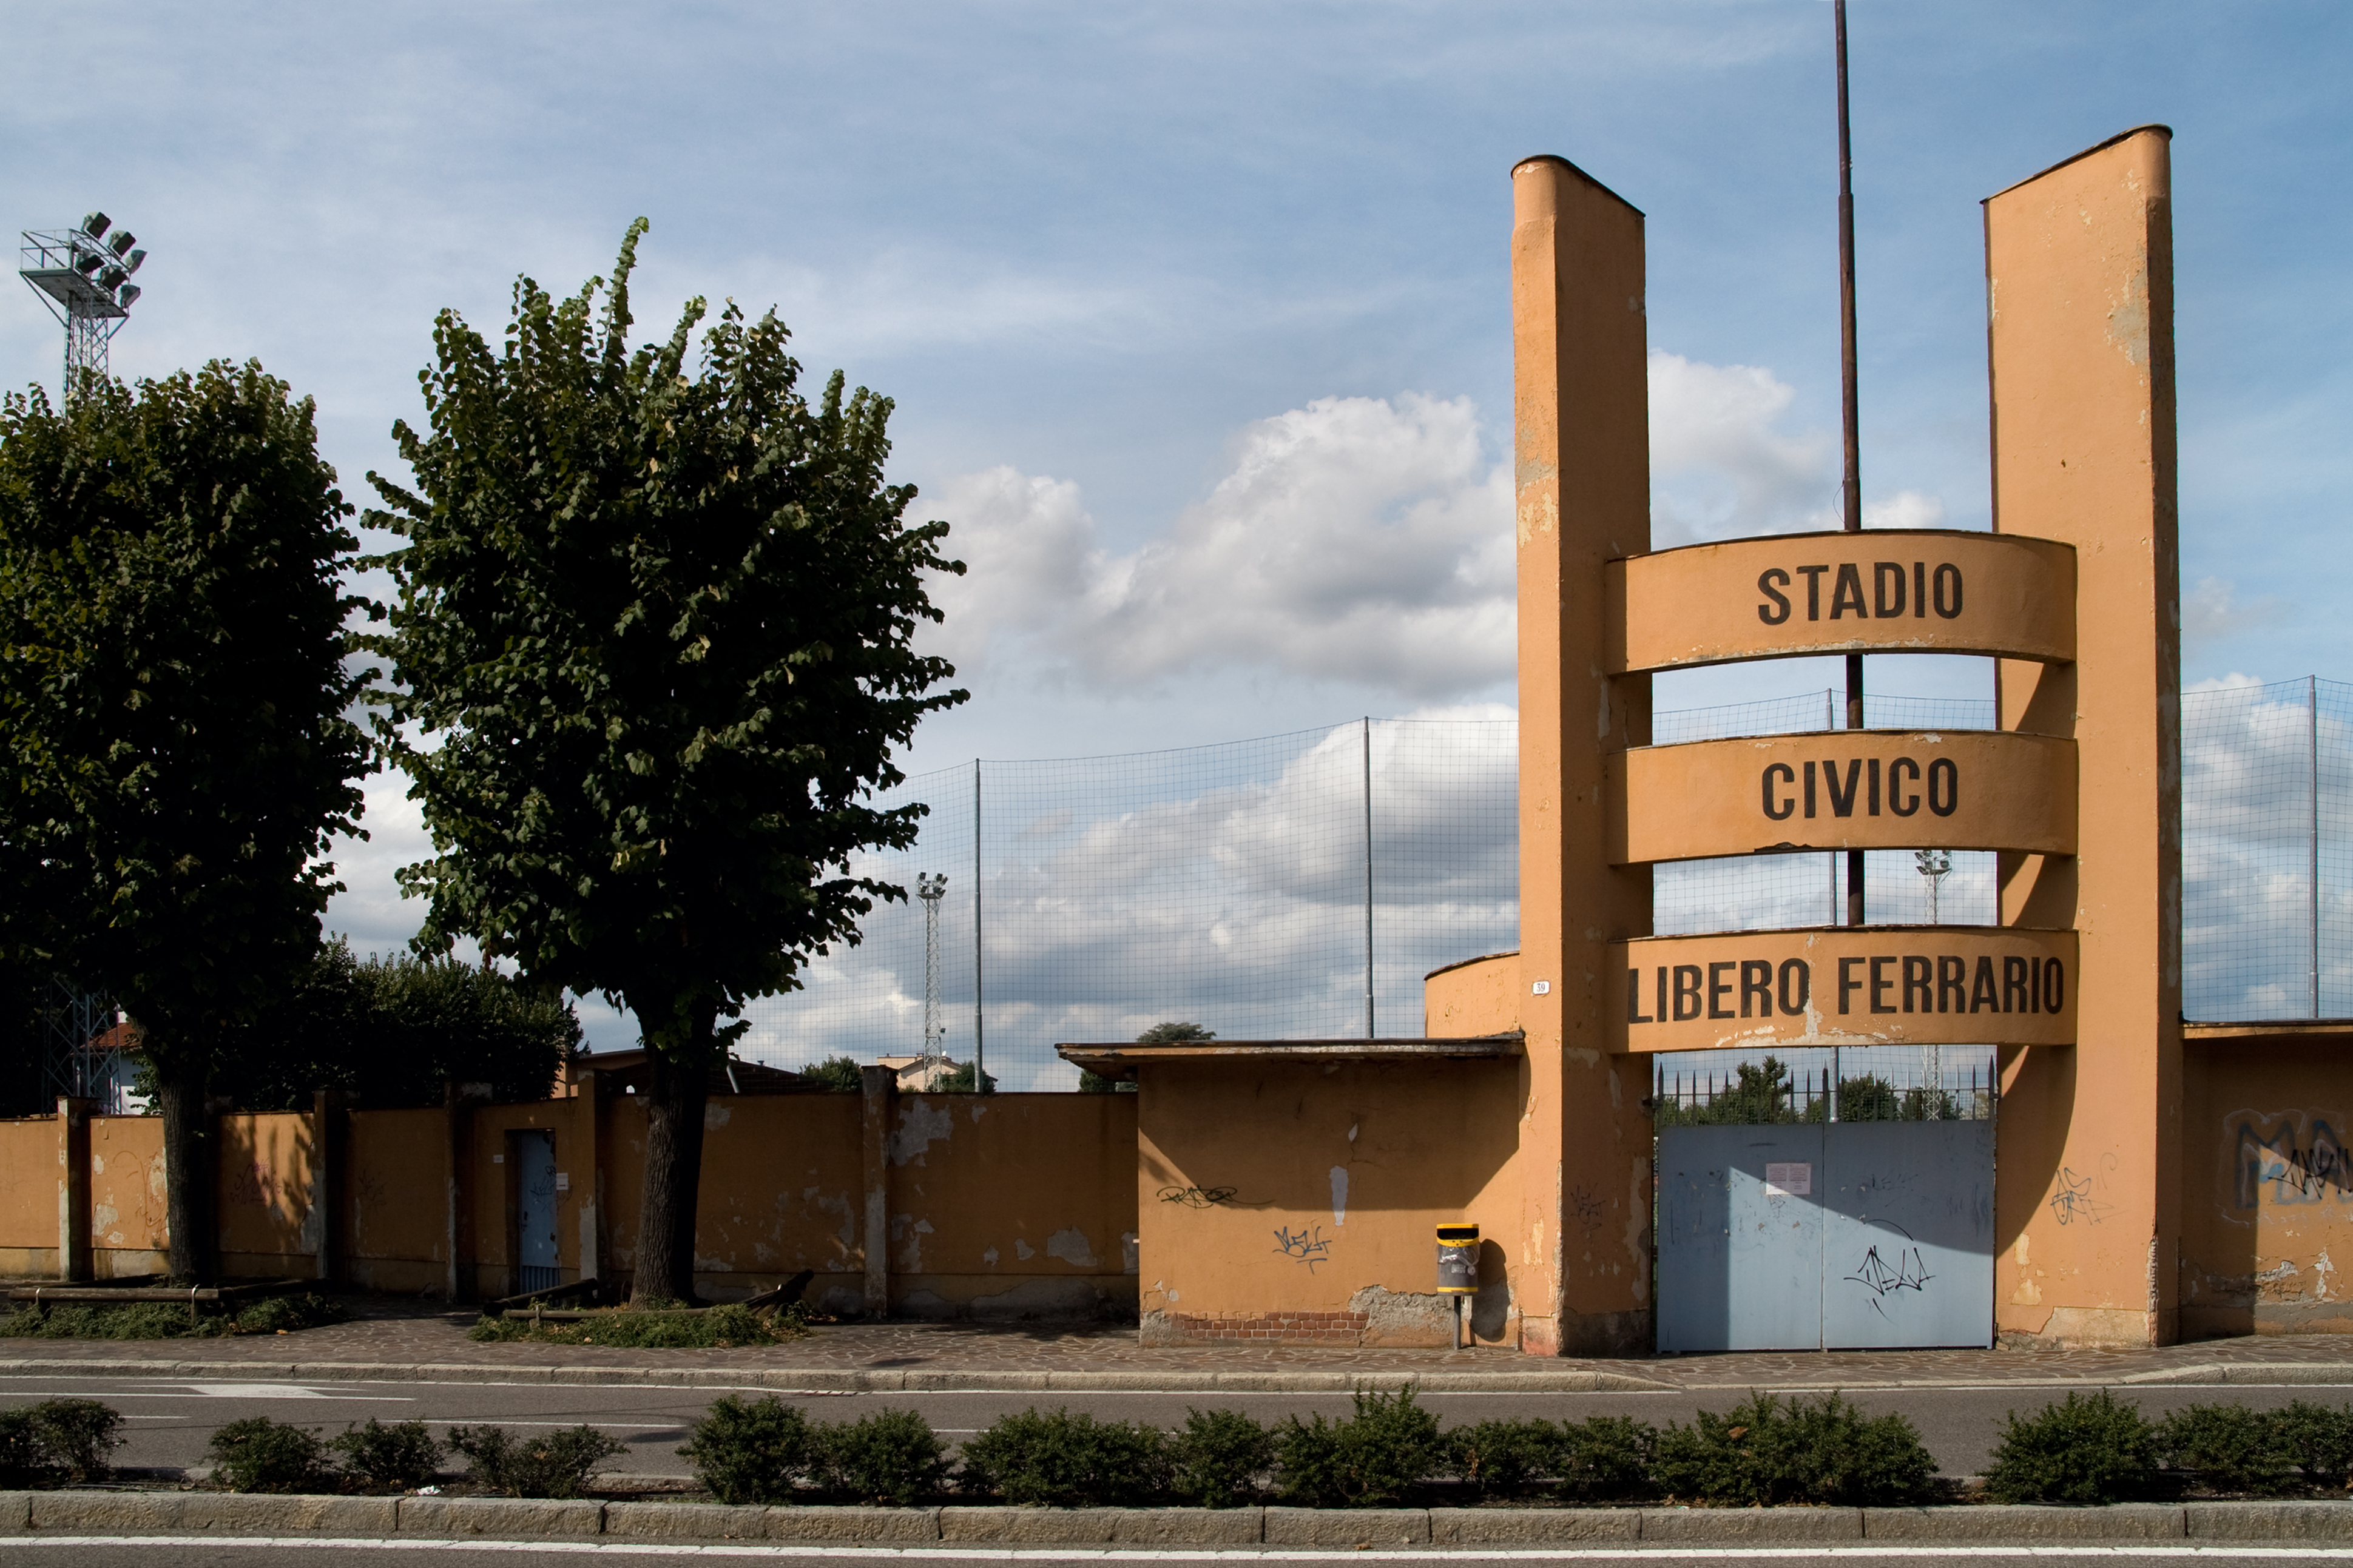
column 1368, row 876
column 1851, row 482
column 979, row 1074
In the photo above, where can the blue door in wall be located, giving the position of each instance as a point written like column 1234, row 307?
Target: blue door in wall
column 533, row 1154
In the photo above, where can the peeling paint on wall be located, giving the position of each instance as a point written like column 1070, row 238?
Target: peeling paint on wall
column 1339, row 1194
column 1073, row 1248
column 921, row 1123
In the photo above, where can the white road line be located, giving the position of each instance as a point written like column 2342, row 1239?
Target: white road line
column 1231, row 1554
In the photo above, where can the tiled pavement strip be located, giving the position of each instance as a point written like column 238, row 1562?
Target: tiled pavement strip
column 407, row 1339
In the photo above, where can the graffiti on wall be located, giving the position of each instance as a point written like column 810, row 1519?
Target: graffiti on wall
column 2287, row 1158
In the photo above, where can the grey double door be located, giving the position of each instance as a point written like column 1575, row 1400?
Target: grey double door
column 1825, row 1236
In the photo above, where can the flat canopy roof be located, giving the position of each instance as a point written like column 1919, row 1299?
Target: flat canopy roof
column 1120, row 1060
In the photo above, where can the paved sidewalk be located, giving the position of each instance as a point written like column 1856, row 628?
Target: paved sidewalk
column 412, row 1339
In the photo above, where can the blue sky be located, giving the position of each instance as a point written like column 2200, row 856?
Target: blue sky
column 1197, row 315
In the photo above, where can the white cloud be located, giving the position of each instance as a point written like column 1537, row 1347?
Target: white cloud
column 2213, row 609
column 1355, row 540
column 1721, row 467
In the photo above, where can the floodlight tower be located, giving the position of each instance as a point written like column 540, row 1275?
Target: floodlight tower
column 930, row 889
column 84, row 278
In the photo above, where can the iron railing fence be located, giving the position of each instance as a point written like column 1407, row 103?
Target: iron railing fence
column 1877, row 1083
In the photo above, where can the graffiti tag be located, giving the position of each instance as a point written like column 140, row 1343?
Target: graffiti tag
column 1308, row 1247
column 2297, row 1173
column 2072, row 1200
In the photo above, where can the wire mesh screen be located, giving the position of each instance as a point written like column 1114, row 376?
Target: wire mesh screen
column 1760, row 892
column 2267, row 850
column 1302, row 885
column 1299, row 886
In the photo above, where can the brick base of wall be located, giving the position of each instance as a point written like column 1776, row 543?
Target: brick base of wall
column 1269, row 1327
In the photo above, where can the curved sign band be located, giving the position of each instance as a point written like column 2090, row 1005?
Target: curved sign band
column 1844, row 789
column 1846, row 986
column 1882, row 591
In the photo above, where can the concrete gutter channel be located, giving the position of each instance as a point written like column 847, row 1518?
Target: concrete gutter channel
column 812, row 1380
column 249, row 1515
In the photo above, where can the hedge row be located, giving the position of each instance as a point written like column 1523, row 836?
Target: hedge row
column 1765, row 1451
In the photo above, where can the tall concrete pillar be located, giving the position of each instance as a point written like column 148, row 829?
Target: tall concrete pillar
column 1581, row 439
column 2079, row 289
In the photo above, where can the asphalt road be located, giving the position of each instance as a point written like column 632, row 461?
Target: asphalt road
column 196, row 1553
column 169, row 1421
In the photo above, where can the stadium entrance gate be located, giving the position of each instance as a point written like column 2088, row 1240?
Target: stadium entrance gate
column 1790, row 1230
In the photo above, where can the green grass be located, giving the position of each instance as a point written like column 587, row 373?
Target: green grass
column 720, row 1328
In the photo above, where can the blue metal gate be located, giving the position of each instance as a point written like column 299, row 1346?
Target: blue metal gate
column 535, row 1259
column 1825, row 1235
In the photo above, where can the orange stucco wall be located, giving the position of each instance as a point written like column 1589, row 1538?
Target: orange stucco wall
column 2267, row 1194
column 1298, row 1202
column 127, row 1228
column 1018, row 1204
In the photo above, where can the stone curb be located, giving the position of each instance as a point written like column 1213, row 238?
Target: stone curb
column 524, row 1519
column 836, row 1380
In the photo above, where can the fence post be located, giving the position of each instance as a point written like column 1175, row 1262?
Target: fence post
column 1368, row 876
column 979, row 1072
column 73, row 1188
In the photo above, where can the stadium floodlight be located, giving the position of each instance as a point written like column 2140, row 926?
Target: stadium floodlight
column 84, row 281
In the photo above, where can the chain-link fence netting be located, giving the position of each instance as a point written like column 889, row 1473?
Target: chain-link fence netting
column 1302, row 885
column 2267, row 850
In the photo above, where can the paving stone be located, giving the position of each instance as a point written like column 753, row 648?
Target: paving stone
column 1725, row 1525
column 1030, row 1526
column 2024, row 1522
column 2270, row 1521
column 791, row 1523
column 1531, row 1526
column 1187, row 1526
column 1350, row 1527
column 519, row 1518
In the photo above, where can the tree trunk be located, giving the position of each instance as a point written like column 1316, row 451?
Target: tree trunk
column 665, row 1262
column 190, row 1162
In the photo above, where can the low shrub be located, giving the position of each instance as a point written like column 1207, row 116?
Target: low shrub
column 559, row 1464
column 55, row 1441
column 631, row 1328
column 403, row 1455
column 25, row 1463
column 2229, row 1448
column 1367, row 1461
column 1607, row 1458
column 1070, row 1461
column 756, row 1452
column 2317, row 1441
column 290, row 1314
column 892, row 1456
column 1504, row 1458
column 1217, row 1458
column 259, row 1455
column 2092, row 1448
column 1766, row 1451
column 75, row 1435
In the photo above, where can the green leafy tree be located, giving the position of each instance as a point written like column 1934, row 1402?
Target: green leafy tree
column 394, row 1031
column 173, row 684
column 651, row 648
column 1159, row 1034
